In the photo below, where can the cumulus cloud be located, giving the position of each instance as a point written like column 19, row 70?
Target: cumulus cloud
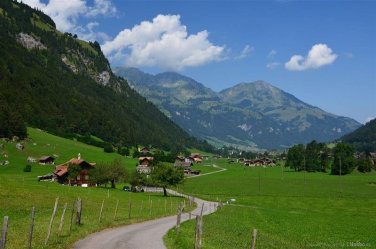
column 319, row 55
column 247, row 50
column 163, row 42
column 65, row 13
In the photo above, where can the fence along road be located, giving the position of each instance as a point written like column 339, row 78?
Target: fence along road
column 145, row 235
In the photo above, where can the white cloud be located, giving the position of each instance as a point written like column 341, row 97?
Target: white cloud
column 273, row 65
column 319, row 55
column 247, row 50
column 165, row 43
column 65, row 13
column 272, row 53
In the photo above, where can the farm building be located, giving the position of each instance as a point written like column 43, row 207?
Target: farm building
column 144, row 164
column 61, row 172
column 196, row 158
column 46, row 160
column 144, row 150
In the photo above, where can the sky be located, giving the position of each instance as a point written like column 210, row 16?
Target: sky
column 323, row 52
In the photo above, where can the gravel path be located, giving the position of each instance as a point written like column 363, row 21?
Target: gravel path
column 145, row 235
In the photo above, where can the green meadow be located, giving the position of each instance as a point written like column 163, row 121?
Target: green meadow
column 289, row 209
column 20, row 191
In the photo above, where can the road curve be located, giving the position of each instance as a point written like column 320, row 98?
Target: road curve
column 145, row 235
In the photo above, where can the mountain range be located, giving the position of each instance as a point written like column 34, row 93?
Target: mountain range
column 250, row 116
column 56, row 82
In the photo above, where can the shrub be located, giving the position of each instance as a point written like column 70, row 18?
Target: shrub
column 108, row 148
column 27, row 168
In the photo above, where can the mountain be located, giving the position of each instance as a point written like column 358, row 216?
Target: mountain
column 253, row 115
column 61, row 84
column 363, row 138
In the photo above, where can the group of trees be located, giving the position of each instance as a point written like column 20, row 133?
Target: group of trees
column 318, row 157
column 162, row 175
column 313, row 157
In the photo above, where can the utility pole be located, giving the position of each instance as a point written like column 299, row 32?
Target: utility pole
column 304, row 169
column 340, row 176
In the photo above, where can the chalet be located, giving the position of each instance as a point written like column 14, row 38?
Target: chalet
column 61, row 172
column 44, row 160
column 373, row 156
column 259, row 162
column 183, row 165
column 195, row 158
column 144, row 164
column 144, row 150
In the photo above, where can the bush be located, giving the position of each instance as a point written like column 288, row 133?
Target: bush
column 108, row 148
column 27, row 168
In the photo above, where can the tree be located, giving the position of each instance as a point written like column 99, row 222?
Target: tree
column 137, row 179
column 344, row 162
column 364, row 164
column 73, row 171
column 124, row 151
column 116, row 172
column 163, row 175
column 108, row 172
column 108, row 148
column 295, row 157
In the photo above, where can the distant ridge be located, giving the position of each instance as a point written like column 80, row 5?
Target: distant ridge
column 253, row 115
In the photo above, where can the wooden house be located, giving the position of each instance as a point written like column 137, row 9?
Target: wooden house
column 61, row 172
column 196, row 158
column 46, row 160
column 144, row 150
column 144, row 164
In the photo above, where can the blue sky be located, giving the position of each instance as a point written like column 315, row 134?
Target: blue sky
column 323, row 52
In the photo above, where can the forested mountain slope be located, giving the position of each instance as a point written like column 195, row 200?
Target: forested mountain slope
column 59, row 83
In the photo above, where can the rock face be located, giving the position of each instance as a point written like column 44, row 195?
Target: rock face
column 103, row 78
column 29, row 41
column 253, row 115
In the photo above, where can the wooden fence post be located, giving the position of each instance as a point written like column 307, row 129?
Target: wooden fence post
column 51, row 221
column 130, row 209
column 100, row 213
column 178, row 217
column 142, row 208
column 202, row 209
column 78, row 211
column 254, row 237
column 150, row 207
column 4, row 232
column 165, row 206
column 31, row 228
column 71, row 218
column 116, row 209
column 198, row 233
column 62, row 218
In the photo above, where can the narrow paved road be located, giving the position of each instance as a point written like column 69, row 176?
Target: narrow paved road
column 145, row 235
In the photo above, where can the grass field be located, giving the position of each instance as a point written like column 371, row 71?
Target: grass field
column 20, row 191
column 289, row 209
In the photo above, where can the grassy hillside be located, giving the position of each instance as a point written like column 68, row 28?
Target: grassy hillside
column 20, row 191
column 290, row 209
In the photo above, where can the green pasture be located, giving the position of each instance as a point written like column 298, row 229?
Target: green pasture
column 289, row 209
column 20, row 191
